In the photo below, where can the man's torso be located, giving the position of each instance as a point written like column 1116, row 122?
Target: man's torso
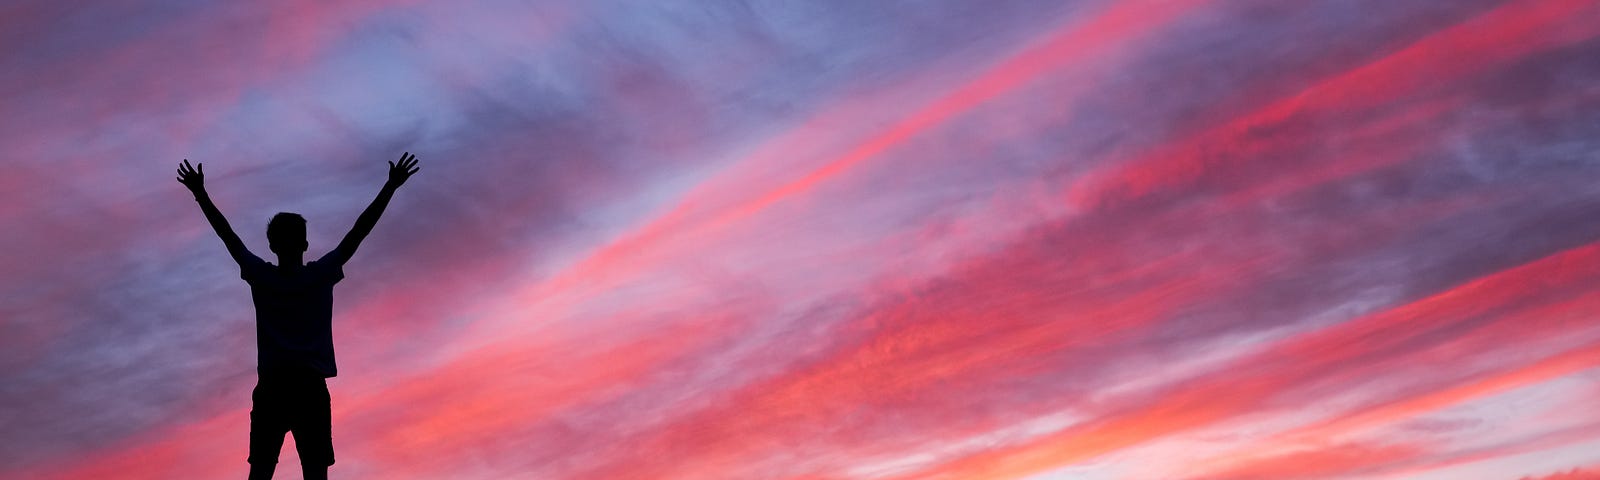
column 294, row 312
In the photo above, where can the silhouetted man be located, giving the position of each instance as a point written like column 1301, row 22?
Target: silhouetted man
column 294, row 335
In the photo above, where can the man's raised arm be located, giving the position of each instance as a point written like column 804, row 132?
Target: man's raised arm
column 194, row 179
column 398, row 173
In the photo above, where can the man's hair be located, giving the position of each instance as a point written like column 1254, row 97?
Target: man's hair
column 287, row 230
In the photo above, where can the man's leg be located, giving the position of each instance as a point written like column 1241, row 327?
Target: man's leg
column 267, row 427
column 313, row 437
column 313, row 472
column 263, row 471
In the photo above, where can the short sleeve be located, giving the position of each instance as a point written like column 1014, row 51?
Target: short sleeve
column 252, row 267
column 332, row 269
column 333, row 272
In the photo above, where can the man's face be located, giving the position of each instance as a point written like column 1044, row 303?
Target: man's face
column 286, row 234
column 287, row 243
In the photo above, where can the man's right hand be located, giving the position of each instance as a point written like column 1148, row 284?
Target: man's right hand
column 192, row 178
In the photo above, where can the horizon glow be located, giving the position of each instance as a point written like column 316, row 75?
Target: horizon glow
column 1013, row 239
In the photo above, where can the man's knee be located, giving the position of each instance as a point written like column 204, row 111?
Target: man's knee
column 263, row 471
column 316, row 457
column 314, row 473
column 315, row 466
column 315, row 449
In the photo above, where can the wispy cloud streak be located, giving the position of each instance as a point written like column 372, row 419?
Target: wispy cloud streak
column 1219, row 239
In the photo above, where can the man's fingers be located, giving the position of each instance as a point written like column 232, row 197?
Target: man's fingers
column 202, row 169
column 413, row 170
column 406, row 165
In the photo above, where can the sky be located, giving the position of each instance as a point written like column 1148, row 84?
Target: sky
column 833, row 239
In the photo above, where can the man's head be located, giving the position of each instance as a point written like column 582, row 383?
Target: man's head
column 286, row 234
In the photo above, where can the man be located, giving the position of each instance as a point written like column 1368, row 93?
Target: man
column 294, row 336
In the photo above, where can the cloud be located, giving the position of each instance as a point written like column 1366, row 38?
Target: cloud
column 836, row 239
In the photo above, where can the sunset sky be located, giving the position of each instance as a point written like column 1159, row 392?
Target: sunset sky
column 821, row 239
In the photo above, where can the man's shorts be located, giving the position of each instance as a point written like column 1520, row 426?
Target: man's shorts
column 297, row 404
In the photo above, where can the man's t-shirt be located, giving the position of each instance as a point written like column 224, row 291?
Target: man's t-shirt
column 294, row 313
